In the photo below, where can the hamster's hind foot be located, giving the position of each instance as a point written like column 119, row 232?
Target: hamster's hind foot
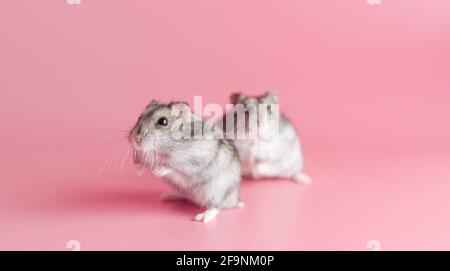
column 207, row 215
column 302, row 178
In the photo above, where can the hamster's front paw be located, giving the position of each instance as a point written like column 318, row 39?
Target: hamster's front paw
column 302, row 178
column 240, row 204
column 207, row 215
column 140, row 169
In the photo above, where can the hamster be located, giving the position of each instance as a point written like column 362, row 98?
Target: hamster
column 205, row 171
column 265, row 155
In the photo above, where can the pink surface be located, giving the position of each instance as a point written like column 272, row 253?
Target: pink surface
column 367, row 86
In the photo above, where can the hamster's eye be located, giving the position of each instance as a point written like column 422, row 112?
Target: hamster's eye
column 163, row 121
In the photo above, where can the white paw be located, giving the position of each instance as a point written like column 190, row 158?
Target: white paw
column 302, row 178
column 72, row 2
column 140, row 169
column 254, row 174
column 163, row 171
column 207, row 215
column 169, row 196
column 241, row 204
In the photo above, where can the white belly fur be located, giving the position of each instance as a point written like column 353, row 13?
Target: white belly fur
column 279, row 157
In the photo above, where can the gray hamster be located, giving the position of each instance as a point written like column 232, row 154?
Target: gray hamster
column 268, row 155
column 168, row 140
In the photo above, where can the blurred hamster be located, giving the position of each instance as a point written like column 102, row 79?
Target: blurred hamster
column 205, row 171
column 266, row 155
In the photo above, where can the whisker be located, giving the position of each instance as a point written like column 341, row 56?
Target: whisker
column 123, row 162
column 108, row 158
column 130, row 161
column 103, row 140
column 146, row 160
column 113, row 149
column 154, row 161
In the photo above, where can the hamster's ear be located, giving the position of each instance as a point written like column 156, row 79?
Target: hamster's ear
column 271, row 97
column 152, row 103
column 180, row 109
column 236, row 98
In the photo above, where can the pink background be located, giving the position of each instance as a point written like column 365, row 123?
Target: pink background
column 367, row 86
